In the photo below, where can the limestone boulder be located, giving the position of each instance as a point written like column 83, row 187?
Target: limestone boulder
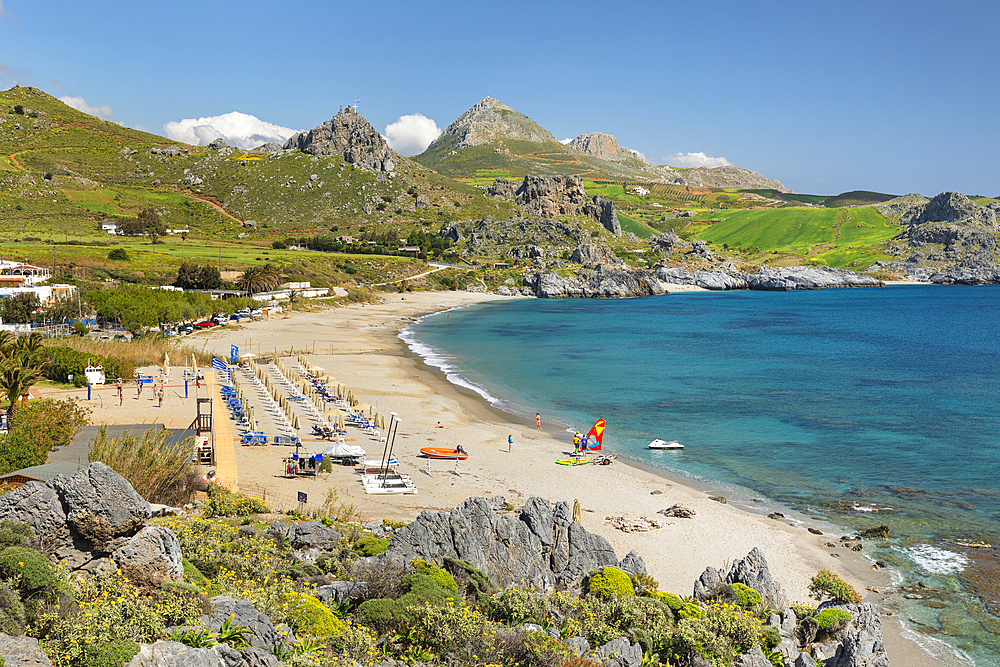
column 100, row 504
column 151, row 556
column 22, row 651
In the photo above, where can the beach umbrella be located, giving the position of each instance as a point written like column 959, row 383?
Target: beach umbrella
column 166, row 363
column 295, row 423
column 577, row 512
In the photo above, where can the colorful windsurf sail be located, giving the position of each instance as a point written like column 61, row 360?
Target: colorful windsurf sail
column 595, row 437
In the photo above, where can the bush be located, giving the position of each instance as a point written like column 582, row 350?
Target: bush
column 747, row 597
column 720, row 634
column 307, row 615
column 118, row 255
column 515, row 606
column 193, row 574
column 830, row 617
column 114, row 654
column 546, row 650
column 223, row 502
column 80, row 329
column 279, row 245
column 370, row 545
column 15, row 534
column 61, row 362
column 827, row 584
column 770, row 636
column 610, row 582
column 12, row 613
column 29, row 573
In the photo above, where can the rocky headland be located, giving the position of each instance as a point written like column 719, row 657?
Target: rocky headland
column 949, row 239
column 768, row 279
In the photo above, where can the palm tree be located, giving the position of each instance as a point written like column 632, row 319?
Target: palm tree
column 15, row 381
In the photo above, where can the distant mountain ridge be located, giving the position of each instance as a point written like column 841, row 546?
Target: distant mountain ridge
column 494, row 136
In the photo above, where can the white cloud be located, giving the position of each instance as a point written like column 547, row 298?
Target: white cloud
column 566, row 141
column 695, row 160
column 636, row 153
column 412, row 134
column 102, row 111
column 238, row 129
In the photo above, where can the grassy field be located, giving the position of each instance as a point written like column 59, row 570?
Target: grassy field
column 833, row 237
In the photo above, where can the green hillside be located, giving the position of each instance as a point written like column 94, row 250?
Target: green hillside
column 848, row 238
column 63, row 171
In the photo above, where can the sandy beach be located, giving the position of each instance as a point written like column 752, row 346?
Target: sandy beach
column 359, row 347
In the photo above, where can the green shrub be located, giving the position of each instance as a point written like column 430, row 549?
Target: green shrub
column 12, row 614
column 355, row 642
column 426, row 576
column 42, row 425
column 31, row 575
column 600, row 620
column 720, row 634
column 546, row 650
column 514, row 606
column 747, row 597
column 424, row 585
column 370, row 545
column 193, row 574
column 827, row 584
column 830, row 617
column 473, row 584
column 770, row 636
column 309, row 616
column 223, row 502
column 610, row 582
column 15, row 534
column 118, row 255
column 114, row 654
column 380, row 613
column 644, row 583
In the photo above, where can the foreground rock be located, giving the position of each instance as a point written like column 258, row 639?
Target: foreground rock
column 541, row 546
column 175, row 654
column 783, row 279
column 22, row 651
column 84, row 518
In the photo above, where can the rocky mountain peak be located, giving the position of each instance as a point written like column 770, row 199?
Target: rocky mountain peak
column 347, row 134
column 489, row 120
column 604, row 146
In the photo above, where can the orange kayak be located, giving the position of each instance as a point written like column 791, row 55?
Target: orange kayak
column 443, row 453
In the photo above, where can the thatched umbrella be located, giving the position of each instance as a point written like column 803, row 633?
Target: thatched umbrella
column 166, row 363
column 295, row 423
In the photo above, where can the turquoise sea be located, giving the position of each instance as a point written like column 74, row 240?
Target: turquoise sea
column 861, row 407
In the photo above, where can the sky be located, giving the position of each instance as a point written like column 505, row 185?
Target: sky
column 827, row 97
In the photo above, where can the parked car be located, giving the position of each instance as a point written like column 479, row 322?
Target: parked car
column 204, row 324
column 186, row 329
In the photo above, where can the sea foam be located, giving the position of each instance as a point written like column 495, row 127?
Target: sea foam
column 935, row 560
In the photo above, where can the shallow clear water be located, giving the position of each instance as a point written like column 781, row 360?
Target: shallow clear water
column 817, row 400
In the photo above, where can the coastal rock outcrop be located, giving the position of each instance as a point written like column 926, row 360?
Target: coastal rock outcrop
column 306, row 535
column 542, row 546
column 783, row 279
column 554, row 196
column 349, row 135
column 603, row 283
column 175, row 654
column 591, row 254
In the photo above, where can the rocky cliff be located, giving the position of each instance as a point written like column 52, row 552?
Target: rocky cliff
column 349, row 135
column 948, row 239
column 553, row 196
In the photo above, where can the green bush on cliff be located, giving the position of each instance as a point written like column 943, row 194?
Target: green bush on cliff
column 370, row 545
column 307, row 615
column 610, row 582
column 29, row 573
column 830, row 617
column 827, row 584
column 746, row 597
column 424, row 584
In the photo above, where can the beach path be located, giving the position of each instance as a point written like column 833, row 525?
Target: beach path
column 222, row 432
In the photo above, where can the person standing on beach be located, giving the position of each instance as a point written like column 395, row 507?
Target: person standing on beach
column 510, row 442
column 138, row 389
column 538, row 421
column 159, row 395
column 121, row 394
